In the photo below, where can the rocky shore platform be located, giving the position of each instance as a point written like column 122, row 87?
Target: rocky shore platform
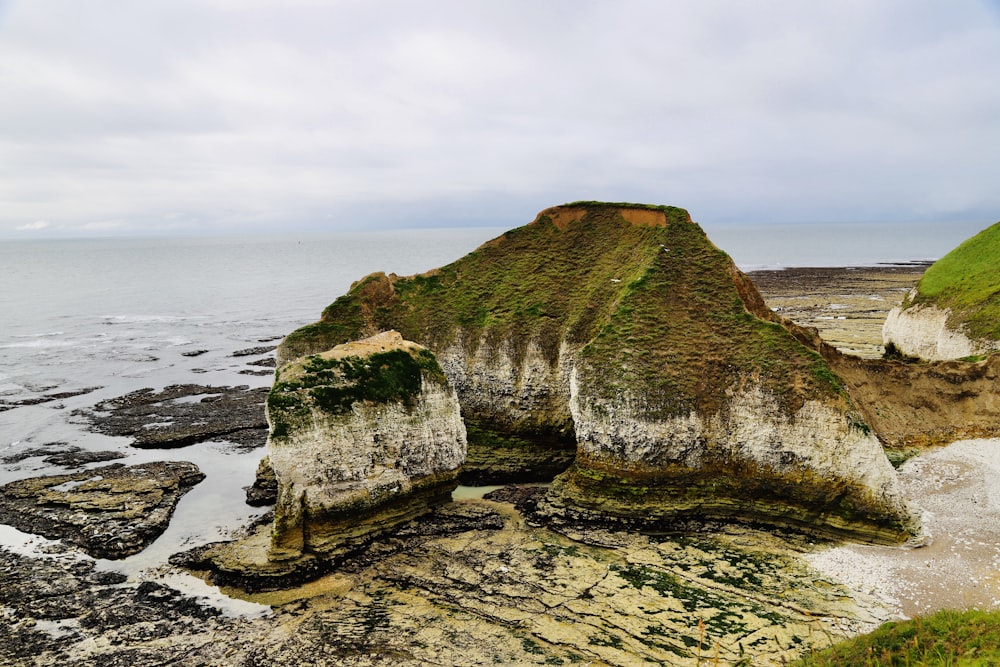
column 109, row 512
column 847, row 305
column 478, row 582
column 182, row 415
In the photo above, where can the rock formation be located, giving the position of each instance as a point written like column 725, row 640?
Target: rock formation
column 954, row 312
column 622, row 329
column 109, row 512
column 363, row 436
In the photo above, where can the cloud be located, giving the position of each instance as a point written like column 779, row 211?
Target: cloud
column 192, row 116
column 33, row 226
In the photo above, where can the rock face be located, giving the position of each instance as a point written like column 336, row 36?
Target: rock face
column 923, row 331
column 109, row 512
column 363, row 436
column 917, row 405
column 623, row 329
column 954, row 311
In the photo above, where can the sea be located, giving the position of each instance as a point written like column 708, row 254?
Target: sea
column 108, row 316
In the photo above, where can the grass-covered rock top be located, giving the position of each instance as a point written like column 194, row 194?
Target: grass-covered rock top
column 967, row 281
column 945, row 639
column 656, row 304
column 382, row 369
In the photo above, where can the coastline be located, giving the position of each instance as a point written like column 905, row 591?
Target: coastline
column 847, row 305
column 197, row 622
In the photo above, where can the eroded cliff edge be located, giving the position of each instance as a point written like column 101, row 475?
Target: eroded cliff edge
column 621, row 330
column 954, row 311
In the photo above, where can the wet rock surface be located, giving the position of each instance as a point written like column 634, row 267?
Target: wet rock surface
column 847, row 305
column 254, row 351
column 62, row 454
column 109, row 512
column 264, row 490
column 182, row 415
column 45, row 398
column 63, row 611
column 472, row 584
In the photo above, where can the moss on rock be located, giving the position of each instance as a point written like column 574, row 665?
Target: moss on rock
column 363, row 436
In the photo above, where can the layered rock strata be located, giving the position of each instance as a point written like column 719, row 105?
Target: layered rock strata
column 363, row 436
column 622, row 328
column 954, row 311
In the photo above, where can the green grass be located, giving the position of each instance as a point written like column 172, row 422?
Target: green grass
column 967, row 280
column 659, row 308
column 945, row 639
column 682, row 336
column 335, row 385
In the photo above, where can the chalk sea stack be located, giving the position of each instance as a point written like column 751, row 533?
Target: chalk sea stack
column 364, row 436
column 620, row 330
column 954, row 311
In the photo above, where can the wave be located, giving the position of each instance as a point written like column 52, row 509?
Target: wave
column 145, row 319
column 45, row 334
column 40, row 343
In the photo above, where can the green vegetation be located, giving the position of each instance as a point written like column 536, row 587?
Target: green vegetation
column 336, row 384
column 682, row 335
column 660, row 310
column 967, row 280
column 945, row 639
column 534, row 282
column 898, row 457
column 672, row 212
column 719, row 615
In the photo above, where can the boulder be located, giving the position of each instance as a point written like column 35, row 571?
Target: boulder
column 363, row 437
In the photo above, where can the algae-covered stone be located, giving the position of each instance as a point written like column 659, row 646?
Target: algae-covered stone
column 363, row 436
column 110, row 512
column 622, row 328
column 954, row 311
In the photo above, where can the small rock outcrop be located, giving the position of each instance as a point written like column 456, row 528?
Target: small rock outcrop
column 182, row 415
column 363, row 437
column 109, row 512
column 623, row 330
column 954, row 311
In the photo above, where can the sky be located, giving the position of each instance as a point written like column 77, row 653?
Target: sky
column 247, row 116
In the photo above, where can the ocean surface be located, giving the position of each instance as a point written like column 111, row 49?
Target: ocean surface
column 118, row 314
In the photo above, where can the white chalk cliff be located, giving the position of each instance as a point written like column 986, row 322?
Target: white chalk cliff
column 922, row 331
column 346, row 473
column 624, row 328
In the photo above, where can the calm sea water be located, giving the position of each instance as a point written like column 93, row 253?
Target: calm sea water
column 118, row 314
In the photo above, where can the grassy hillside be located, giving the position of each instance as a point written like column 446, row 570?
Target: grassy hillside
column 945, row 639
column 687, row 330
column 536, row 281
column 660, row 309
column 967, row 280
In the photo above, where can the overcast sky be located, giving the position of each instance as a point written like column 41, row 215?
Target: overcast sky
column 212, row 116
